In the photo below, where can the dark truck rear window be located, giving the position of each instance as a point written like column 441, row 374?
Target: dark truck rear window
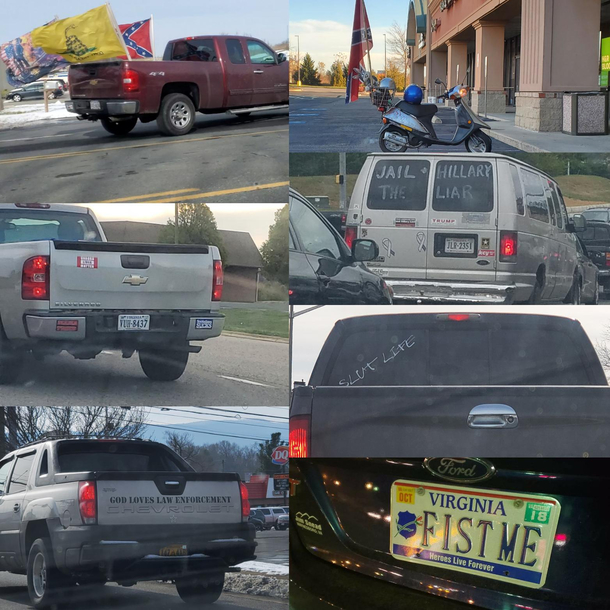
column 456, row 354
column 108, row 456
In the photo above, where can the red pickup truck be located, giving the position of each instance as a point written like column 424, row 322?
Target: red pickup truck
column 209, row 74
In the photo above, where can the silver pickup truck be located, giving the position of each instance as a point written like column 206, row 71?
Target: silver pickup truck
column 63, row 286
column 88, row 511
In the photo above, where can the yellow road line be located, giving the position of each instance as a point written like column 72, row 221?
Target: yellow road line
column 243, row 189
column 110, row 148
column 135, row 197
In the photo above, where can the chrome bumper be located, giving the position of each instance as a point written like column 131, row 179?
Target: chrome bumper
column 429, row 291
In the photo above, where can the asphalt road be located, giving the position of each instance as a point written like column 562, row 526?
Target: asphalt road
column 224, row 159
column 143, row 596
column 321, row 121
column 229, row 370
column 272, row 547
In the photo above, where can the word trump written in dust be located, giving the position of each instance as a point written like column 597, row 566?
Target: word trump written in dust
column 379, row 361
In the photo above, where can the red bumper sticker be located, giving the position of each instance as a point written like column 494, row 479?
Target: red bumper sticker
column 487, row 253
column 86, row 262
column 66, row 326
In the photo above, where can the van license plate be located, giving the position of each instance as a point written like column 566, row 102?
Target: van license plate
column 459, row 246
column 134, row 322
column 493, row 534
column 174, row 550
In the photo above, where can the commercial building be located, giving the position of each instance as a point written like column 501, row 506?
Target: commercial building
column 518, row 56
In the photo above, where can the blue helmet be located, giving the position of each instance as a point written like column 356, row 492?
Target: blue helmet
column 413, row 94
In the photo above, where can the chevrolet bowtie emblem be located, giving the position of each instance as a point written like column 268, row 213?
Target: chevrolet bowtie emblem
column 135, row 280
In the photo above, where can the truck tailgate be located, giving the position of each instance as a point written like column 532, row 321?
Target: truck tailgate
column 96, row 80
column 166, row 498
column 130, row 276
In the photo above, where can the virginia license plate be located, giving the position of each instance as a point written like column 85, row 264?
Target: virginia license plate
column 174, row 550
column 496, row 535
column 96, row 106
column 459, row 246
column 134, row 322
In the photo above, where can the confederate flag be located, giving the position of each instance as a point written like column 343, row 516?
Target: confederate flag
column 362, row 42
column 137, row 39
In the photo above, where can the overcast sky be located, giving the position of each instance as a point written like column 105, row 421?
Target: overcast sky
column 258, row 18
column 253, row 218
column 311, row 329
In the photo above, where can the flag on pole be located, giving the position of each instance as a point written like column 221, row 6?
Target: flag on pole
column 92, row 36
column 138, row 39
column 362, row 42
column 27, row 63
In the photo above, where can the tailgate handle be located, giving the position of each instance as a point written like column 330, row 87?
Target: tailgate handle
column 493, row 416
column 172, row 483
column 132, row 261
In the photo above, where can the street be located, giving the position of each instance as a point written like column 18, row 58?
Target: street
column 321, row 121
column 234, row 371
column 224, row 158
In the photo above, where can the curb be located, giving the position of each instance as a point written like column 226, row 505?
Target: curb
column 269, row 339
column 524, row 146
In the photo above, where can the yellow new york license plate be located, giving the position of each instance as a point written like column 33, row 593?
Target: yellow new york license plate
column 174, row 550
column 497, row 535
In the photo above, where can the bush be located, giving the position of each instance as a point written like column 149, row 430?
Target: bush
column 272, row 291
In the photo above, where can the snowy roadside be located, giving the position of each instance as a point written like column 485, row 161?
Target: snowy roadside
column 18, row 116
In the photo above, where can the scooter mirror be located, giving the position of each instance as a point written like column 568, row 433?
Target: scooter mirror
column 438, row 81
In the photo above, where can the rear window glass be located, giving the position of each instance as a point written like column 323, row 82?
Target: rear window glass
column 535, row 198
column 463, row 186
column 235, row 51
column 21, row 225
column 458, row 356
column 399, row 185
column 603, row 216
column 595, row 234
column 198, row 49
column 115, row 457
column 518, row 190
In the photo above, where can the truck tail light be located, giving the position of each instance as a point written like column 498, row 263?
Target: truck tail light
column 131, row 81
column 607, row 259
column 508, row 246
column 87, row 502
column 217, row 281
column 245, row 501
column 35, row 279
column 351, row 233
column 300, row 428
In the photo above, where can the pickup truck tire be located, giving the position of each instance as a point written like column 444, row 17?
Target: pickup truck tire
column 163, row 365
column 199, row 591
column 119, row 128
column 177, row 115
column 11, row 361
column 46, row 584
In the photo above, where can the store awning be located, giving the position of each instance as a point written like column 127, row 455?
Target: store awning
column 416, row 20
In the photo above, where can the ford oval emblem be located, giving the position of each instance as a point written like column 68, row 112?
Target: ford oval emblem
column 460, row 470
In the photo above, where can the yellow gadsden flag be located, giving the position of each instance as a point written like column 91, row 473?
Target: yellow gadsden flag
column 92, row 36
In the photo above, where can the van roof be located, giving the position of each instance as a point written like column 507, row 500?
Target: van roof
column 54, row 207
column 466, row 155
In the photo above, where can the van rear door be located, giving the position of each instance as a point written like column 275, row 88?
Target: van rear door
column 395, row 215
column 462, row 221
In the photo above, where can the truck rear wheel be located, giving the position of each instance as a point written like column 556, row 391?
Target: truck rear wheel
column 46, row 584
column 11, row 361
column 119, row 128
column 163, row 365
column 199, row 590
column 177, row 115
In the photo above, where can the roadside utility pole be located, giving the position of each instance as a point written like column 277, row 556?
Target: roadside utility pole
column 298, row 60
column 176, row 230
column 342, row 181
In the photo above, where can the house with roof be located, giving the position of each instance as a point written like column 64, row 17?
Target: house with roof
column 242, row 267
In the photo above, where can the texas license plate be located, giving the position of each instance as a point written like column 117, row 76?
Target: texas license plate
column 134, row 322
column 459, row 246
column 493, row 534
column 96, row 106
column 174, row 550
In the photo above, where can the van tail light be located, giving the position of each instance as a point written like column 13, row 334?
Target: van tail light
column 35, row 279
column 217, row 281
column 351, row 233
column 245, row 501
column 300, row 428
column 87, row 502
column 508, row 246
column 131, row 81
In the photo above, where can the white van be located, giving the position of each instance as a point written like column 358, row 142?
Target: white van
column 466, row 228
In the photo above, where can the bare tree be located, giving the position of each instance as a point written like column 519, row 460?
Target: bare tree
column 183, row 445
column 602, row 347
column 397, row 45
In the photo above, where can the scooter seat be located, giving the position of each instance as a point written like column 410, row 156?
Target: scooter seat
column 418, row 110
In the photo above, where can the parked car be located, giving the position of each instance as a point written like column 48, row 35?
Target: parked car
column 588, row 272
column 323, row 269
column 208, row 74
column 596, row 239
column 494, row 384
column 33, row 91
column 456, row 227
column 63, row 286
column 257, row 520
column 267, row 515
column 90, row 511
column 283, row 521
column 440, row 533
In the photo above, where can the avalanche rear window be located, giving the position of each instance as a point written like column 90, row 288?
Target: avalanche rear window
column 399, row 185
column 463, row 186
column 23, row 225
column 115, row 457
column 458, row 355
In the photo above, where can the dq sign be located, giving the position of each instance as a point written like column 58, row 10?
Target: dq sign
column 280, row 456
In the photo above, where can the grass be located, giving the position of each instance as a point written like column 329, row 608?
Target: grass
column 272, row 291
column 310, row 186
column 267, row 322
column 585, row 188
